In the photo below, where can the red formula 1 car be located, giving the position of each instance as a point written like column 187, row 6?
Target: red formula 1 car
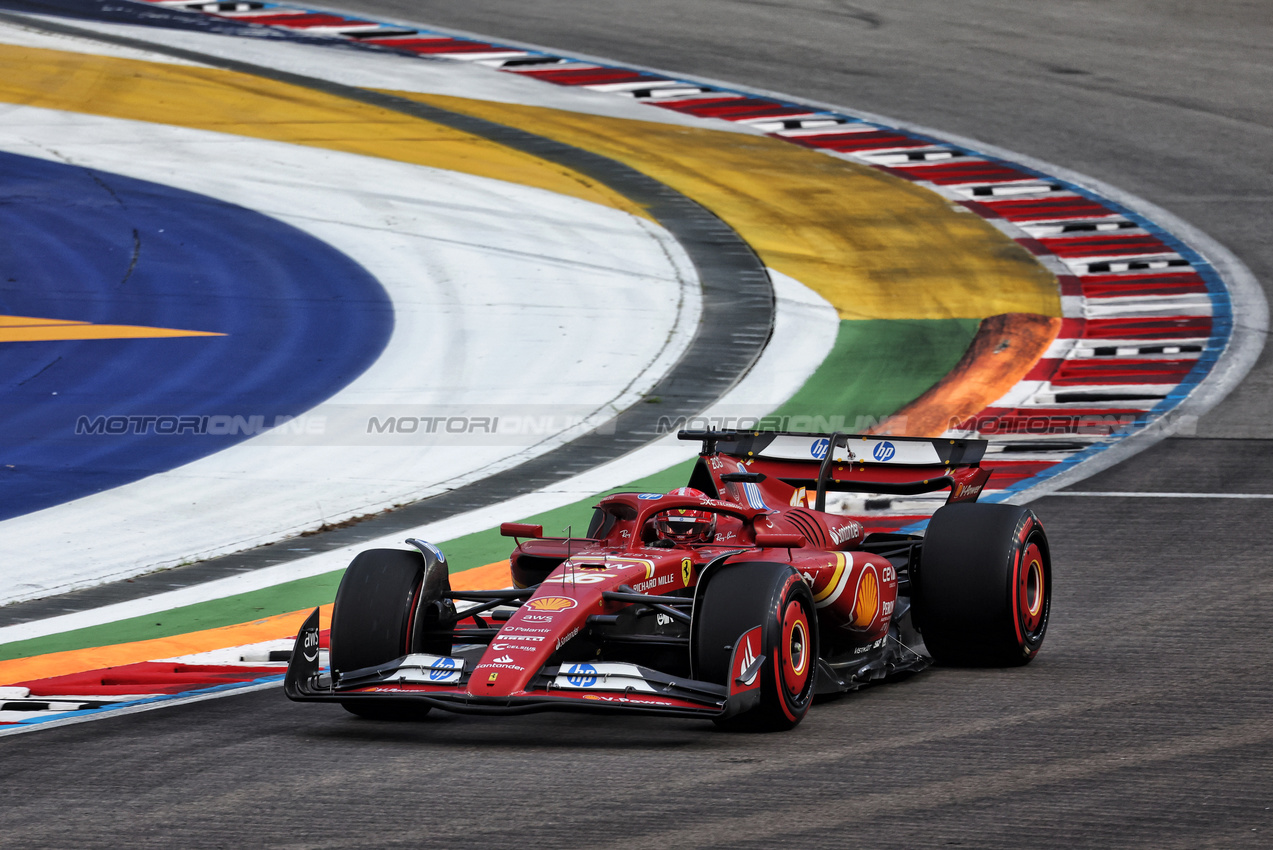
column 738, row 598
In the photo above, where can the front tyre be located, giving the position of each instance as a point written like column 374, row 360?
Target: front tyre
column 739, row 597
column 984, row 589
column 373, row 621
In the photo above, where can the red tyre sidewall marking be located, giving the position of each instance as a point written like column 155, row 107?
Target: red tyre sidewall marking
column 411, row 614
column 1034, row 568
column 780, row 651
column 1016, row 597
column 795, row 622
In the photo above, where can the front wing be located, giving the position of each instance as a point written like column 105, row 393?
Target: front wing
column 447, row 683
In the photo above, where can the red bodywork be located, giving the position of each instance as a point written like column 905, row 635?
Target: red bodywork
column 543, row 653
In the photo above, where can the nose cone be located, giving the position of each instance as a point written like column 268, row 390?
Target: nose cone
column 557, row 612
column 530, row 637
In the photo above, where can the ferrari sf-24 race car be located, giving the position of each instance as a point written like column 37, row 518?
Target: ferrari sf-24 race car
column 738, row 598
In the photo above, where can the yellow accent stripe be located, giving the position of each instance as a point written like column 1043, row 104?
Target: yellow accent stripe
column 835, row 581
column 270, row 628
column 26, row 329
column 874, row 245
column 228, row 102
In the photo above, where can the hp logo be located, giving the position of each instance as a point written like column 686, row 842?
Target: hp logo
column 442, row 669
column 884, row 451
column 582, row 676
column 819, row 448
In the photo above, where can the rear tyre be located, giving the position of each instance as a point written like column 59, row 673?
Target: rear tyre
column 739, row 597
column 372, row 622
column 984, row 589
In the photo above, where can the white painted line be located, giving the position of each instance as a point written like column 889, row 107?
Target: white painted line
column 1132, row 494
column 19, row 36
column 390, row 71
column 159, row 702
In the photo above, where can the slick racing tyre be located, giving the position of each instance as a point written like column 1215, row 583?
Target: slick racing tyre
column 739, row 597
column 984, row 588
column 387, row 600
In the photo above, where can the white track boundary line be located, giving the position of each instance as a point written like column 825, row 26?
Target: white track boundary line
column 159, row 702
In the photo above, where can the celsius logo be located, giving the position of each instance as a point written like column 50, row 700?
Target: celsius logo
column 443, row 668
column 551, row 603
column 819, row 448
column 883, row 451
column 582, row 675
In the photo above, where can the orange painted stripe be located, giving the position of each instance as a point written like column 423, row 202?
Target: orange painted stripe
column 483, row 578
column 1005, row 348
column 270, row 628
column 30, row 329
column 97, row 658
column 24, row 321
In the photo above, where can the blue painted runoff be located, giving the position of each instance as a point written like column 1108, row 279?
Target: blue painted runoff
column 301, row 320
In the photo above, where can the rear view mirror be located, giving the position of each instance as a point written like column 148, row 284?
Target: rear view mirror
column 521, row 529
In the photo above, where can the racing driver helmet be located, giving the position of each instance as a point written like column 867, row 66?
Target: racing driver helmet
column 686, row 525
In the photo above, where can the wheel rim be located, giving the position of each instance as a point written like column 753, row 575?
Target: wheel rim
column 1032, row 590
column 795, row 648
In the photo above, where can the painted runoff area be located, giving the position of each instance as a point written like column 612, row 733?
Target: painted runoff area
column 956, row 327
column 492, row 314
column 203, row 499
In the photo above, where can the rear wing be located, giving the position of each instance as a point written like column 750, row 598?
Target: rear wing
column 852, row 462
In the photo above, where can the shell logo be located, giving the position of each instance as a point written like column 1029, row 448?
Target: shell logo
column 867, row 604
column 551, row 603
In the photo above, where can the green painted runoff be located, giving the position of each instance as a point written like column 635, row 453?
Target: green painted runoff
column 876, row 367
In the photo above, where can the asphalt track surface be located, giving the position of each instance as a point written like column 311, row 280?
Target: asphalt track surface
column 1143, row 723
